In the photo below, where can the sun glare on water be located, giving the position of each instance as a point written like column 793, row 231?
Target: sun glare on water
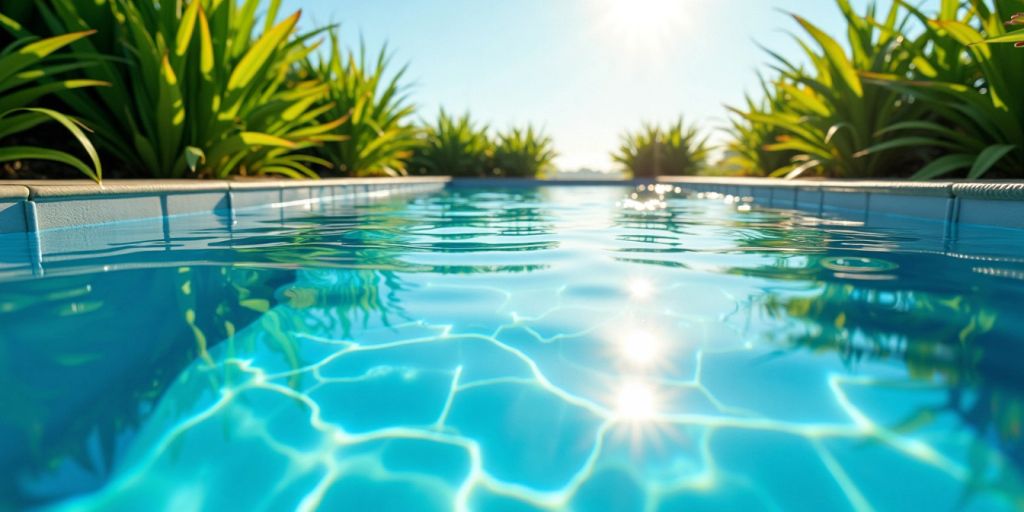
column 641, row 25
column 636, row 402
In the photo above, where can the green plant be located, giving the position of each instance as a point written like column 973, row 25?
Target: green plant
column 677, row 149
column 978, row 122
column 1017, row 37
column 377, row 137
column 192, row 87
column 30, row 70
column 746, row 154
column 829, row 115
column 523, row 153
column 453, row 146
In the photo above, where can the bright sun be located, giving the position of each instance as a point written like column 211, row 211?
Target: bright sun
column 641, row 24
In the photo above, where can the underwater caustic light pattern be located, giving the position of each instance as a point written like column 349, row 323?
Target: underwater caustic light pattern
column 552, row 348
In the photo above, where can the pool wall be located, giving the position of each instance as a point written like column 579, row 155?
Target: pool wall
column 36, row 206
column 955, row 204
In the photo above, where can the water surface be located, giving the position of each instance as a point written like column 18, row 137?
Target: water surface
column 513, row 350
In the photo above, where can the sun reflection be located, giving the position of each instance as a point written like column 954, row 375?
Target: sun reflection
column 640, row 348
column 638, row 419
column 636, row 402
column 646, row 205
column 640, row 288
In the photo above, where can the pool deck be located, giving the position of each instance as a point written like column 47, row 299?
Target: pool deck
column 33, row 206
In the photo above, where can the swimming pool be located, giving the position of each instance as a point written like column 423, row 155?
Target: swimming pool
column 539, row 348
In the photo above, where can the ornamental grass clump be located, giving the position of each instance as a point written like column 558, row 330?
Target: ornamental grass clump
column 454, row 146
column 974, row 100
column 202, row 88
column 912, row 93
column 523, row 153
column 747, row 152
column 828, row 114
column 30, row 70
column 676, row 149
column 376, row 136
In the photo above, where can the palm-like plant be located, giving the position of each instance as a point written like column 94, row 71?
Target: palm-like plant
column 1016, row 37
column 830, row 115
column 453, row 146
column 523, row 153
column 677, row 149
column 377, row 137
column 193, row 87
column 746, row 154
column 978, row 120
column 29, row 70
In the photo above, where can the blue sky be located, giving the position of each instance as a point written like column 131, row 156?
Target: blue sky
column 584, row 70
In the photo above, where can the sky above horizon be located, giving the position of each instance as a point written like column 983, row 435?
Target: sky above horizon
column 584, row 70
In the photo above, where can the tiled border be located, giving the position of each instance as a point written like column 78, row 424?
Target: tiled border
column 955, row 204
column 37, row 205
column 30, row 206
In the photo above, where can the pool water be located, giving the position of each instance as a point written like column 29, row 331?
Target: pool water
column 550, row 348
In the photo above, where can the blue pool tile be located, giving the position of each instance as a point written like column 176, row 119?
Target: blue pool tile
column 992, row 212
column 925, row 207
column 12, row 216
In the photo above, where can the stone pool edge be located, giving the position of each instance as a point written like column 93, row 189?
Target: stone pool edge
column 32, row 206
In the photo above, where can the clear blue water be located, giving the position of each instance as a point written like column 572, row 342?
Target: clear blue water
column 513, row 350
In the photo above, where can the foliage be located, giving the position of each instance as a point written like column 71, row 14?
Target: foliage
column 376, row 137
column 829, row 114
column 211, row 88
column 523, row 153
column 676, row 149
column 454, row 146
column 978, row 122
column 192, row 87
column 916, row 93
column 746, row 152
column 1016, row 37
column 29, row 70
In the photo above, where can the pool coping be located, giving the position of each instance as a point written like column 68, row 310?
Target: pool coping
column 32, row 206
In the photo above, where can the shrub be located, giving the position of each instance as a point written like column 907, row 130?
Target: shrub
column 676, row 149
column 192, row 89
column 971, row 88
column 454, row 146
column 829, row 115
column 523, row 153
column 746, row 153
column 376, row 135
column 921, row 94
column 30, row 70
